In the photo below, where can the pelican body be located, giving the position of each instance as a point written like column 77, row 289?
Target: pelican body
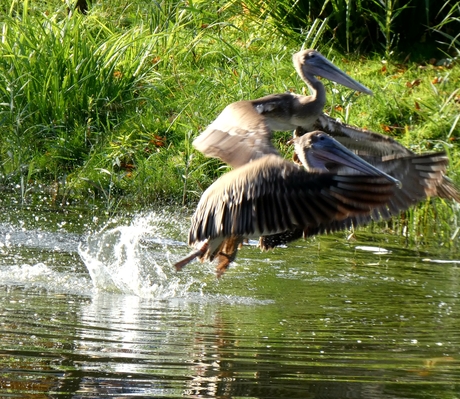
column 271, row 196
column 243, row 131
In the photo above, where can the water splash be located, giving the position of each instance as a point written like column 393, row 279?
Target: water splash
column 42, row 276
column 126, row 259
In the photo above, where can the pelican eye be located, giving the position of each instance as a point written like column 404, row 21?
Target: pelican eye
column 318, row 137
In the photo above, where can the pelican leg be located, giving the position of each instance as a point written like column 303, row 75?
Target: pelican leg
column 224, row 263
column 184, row 261
column 227, row 254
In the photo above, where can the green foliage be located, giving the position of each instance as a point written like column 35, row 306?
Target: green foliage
column 61, row 77
column 358, row 25
column 448, row 27
column 385, row 17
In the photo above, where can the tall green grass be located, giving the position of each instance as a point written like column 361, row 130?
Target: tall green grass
column 120, row 90
column 448, row 26
column 65, row 85
column 388, row 27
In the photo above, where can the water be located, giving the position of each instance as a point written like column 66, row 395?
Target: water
column 93, row 308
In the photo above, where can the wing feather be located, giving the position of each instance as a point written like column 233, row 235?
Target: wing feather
column 420, row 176
column 280, row 196
column 238, row 135
column 378, row 149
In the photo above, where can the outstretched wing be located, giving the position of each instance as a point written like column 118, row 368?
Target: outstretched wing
column 420, row 176
column 239, row 135
column 271, row 196
column 365, row 143
column 377, row 148
column 243, row 131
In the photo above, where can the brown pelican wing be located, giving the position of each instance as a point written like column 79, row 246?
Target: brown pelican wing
column 364, row 143
column 239, row 135
column 376, row 148
column 448, row 190
column 271, row 196
column 420, row 176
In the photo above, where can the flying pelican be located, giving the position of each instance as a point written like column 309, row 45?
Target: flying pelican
column 389, row 156
column 271, row 196
column 243, row 131
column 374, row 148
column 420, row 177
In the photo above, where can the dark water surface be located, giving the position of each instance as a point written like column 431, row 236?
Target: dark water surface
column 91, row 310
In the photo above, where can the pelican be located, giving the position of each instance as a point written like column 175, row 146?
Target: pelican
column 271, row 196
column 420, row 177
column 376, row 148
column 243, row 131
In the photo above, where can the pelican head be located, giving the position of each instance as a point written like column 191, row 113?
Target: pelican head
column 317, row 149
column 310, row 63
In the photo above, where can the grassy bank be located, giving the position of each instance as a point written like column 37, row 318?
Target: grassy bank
column 106, row 105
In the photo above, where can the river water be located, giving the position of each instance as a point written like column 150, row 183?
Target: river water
column 92, row 308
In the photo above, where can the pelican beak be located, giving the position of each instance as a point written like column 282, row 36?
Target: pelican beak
column 326, row 69
column 330, row 150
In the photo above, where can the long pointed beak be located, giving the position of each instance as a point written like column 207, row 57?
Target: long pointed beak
column 331, row 150
column 328, row 70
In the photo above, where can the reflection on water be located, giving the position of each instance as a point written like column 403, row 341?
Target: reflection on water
column 101, row 313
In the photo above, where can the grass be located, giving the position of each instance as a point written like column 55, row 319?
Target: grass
column 106, row 105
